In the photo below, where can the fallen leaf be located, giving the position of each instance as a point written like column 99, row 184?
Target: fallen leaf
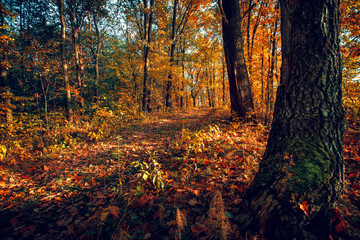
column 114, row 210
column 104, row 215
column 193, row 202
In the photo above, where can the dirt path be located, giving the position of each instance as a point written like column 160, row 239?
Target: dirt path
column 95, row 191
column 64, row 195
column 162, row 130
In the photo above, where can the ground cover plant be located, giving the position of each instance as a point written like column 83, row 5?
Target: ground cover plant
column 171, row 176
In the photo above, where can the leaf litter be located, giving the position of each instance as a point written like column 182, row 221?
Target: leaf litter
column 174, row 176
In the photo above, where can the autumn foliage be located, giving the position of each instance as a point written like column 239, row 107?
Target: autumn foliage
column 147, row 149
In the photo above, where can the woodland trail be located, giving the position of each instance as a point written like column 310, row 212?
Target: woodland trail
column 65, row 195
column 161, row 131
column 149, row 182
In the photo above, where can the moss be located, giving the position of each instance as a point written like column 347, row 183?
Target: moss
column 300, row 167
column 311, row 164
column 310, row 167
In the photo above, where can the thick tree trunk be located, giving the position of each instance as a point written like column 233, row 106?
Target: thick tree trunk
column 240, row 89
column 68, row 108
column 301, row 174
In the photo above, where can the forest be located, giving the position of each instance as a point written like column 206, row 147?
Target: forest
column 179, row 119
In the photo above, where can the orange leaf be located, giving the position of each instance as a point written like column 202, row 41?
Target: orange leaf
column 305, row 207
column 114, row 210
column 337, row 221
column 104, row 216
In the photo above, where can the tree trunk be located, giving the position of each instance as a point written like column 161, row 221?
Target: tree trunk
column 4, row 83
column 148, row 18
column 6, row 94
column 223, row 79
column 96, row 53
column 96, row 58
column 301, row 175
column 78, row 70
column 168, row 102
column 240, row 89
column 256, row 25
column 269, row 102
column 68, row 108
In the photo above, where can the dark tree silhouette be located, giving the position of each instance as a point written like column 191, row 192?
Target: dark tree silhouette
column 240, row 89
column 301, row 175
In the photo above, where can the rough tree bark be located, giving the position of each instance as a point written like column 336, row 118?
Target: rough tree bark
column 240, row 90
column 301, row 175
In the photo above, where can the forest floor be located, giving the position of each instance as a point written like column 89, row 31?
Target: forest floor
column 175, row 176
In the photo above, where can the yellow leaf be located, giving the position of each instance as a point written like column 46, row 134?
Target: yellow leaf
column 2, row 152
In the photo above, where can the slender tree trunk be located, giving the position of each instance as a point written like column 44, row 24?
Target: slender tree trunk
column 68, row 107
column 270, row 79
column 240, row 89
column 148, row 18
column 223, row 79
column 96, row 58
column 183, row 75
column 96, row 53
column 6, row 94
column 248, row 26
column 4, row 83
column 97, row 75
column 194, row 101
column 168, row 89
column 301, row 175
column 256, row 25
column 78, row 70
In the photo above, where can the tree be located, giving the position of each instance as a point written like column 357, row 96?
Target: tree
column 240, row 89
column 177, row 29
column 98, row 12
column 350, row 52
column 148, row 21
column 68, row 108
column 5, row 41
column 77, row 12
column 301, row 175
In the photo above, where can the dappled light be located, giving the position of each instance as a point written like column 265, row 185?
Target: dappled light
column 179, row 119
